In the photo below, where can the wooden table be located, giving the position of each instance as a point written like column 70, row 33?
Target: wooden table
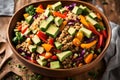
column 111, row 10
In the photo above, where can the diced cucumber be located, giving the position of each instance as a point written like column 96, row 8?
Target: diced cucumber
column 93, row 15
column 44, row 25
column 29, row 19
column 52, row 30
column 32, row 48
column 58, row 45
column 55, row 65
column 34, row 31
column 85, row 10
column 77, row 10
column 62, row 10
column 57, row 6
column 98, row 26
column 42, row 58
column 47, row 12
column 16, row 30
column 58, row 21
column 92, row 21
column 71, row 31
column 82, row 7
column 61, row 56
column 36, row 40
column 50, row 19
column 42, row 63
column 40, row 49
column 86, row 32
column 23, row 54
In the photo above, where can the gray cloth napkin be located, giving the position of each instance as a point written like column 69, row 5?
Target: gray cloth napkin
column 6, row 7
column 112, row 57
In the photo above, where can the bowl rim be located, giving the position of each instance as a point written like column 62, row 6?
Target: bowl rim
column 86, row 66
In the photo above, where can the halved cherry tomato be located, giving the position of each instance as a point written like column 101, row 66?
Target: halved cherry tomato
column 54, row 57
column 48, row 55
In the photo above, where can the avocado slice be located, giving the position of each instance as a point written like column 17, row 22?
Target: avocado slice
column 86, row 32
column 57, row 6
column 55, row 65
column 42, row 63
column 61, row 56
column 58, row 45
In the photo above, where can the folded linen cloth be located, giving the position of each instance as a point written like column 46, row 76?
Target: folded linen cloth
column 6, row 7
column 112, row 57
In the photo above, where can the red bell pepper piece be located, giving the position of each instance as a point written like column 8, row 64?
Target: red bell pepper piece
column 93, row 29
column 54, row 57
column 41, row 6
column 100, row 41
column 104, row 33
column 23, row 30
column 19, row 28
column 42, row 36
column 51, row 41
column 65, row 13
column 59, row 14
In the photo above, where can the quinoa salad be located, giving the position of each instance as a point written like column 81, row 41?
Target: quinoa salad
column 60, row 37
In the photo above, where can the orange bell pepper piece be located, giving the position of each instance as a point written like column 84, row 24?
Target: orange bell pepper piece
column 99, row 16
column 47, row 47
column 39, row 10
column 25, row 15
column 88, row 45
column 83, row 21
column 48, row 55
column 58, row 14
column 89, row 58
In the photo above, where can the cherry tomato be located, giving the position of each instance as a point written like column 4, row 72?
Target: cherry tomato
column 76, row 42
column 54, row 57
column 48, row 55
column 79, row 35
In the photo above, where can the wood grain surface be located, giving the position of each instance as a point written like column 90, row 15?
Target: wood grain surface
column 112, row 11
